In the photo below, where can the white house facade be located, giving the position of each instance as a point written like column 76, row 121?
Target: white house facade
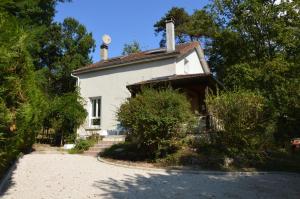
column 103, row 85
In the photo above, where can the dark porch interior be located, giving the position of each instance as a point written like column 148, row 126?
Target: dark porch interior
column 194, row 86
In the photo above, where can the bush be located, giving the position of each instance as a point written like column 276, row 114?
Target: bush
column 125, row 151
column 244, row 132
column 66, row 113
column 82, row 145
column 155, row 120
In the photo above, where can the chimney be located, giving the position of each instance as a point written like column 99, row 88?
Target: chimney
column 104, row 52
column 104, row 47
column 170, row 35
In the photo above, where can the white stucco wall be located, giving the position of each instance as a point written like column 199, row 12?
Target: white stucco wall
column 190, row 64
column 110, row 85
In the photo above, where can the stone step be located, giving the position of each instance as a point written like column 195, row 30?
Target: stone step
column 114, row 138
column 108, row 142
column 99, row 147
column 105, row 144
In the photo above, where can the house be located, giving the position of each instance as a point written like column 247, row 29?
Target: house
column 105, row 85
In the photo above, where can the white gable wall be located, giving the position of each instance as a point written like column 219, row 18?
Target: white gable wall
column 189, row 64
column 110, row 85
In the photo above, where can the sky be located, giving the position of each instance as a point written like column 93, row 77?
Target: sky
column 124, row 21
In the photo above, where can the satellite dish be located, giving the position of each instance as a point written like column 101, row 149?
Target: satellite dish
column 106, row 39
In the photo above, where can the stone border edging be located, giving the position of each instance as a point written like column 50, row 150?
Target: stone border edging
column 246, row 173
column 8, row 174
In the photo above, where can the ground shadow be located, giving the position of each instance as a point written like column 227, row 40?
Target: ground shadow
column 183, row 185
column 7, row 181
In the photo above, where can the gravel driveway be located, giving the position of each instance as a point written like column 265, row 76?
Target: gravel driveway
column 75, row 176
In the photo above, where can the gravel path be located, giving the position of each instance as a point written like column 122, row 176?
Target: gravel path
column 74, row 176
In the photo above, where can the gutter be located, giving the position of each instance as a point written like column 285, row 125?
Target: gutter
column 77, row 81
column 171, row 55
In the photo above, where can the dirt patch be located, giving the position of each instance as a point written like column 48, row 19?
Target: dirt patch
column 48, row 149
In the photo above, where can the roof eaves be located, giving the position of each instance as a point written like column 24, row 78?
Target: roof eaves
column 143, row 60
column 172, row 78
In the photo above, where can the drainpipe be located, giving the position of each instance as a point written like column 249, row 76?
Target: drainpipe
column 77, row 81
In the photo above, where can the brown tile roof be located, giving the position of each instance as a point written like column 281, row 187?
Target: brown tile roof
column 143, row 56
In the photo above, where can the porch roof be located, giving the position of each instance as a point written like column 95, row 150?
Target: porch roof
column 177, row 81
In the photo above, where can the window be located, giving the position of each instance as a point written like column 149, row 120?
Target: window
column 95, row 113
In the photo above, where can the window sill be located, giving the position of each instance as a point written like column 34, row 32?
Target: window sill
column 92, row 128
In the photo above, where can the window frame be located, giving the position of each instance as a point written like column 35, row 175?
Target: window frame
column 98, row 111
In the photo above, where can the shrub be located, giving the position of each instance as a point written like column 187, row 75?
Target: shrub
column 124, row 151
column 66, row 114
column 243, row 116
column 82, row 145
column 155, row 119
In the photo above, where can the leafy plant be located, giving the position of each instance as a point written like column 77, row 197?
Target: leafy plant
column 243, row 130
column 66, row 113
column 155, row 119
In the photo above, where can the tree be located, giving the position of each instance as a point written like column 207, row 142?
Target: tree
column 31, row 65
column 132, row 47
column 36, row 16
column 20, row 97
column 252, row 45
column 66, row 114
column 199, row 25
column 254, row 31
column 181, row 17
column 67, row 46
column 257, row 48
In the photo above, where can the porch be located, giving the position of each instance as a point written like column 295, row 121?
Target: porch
column 194, row 86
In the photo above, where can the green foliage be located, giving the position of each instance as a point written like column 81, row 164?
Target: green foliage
column 20, row 96
column 67, row 47
column 241, row 117
column 125, row 151
column 252, row 45
column 132, row 47
column 155, row 120
column 188, row 27
column 82, row 145
column 66, row 113
column 254, row 31
column 37, row 57
column 180, row 17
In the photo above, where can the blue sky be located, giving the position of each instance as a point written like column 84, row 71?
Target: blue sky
column 124, row 21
